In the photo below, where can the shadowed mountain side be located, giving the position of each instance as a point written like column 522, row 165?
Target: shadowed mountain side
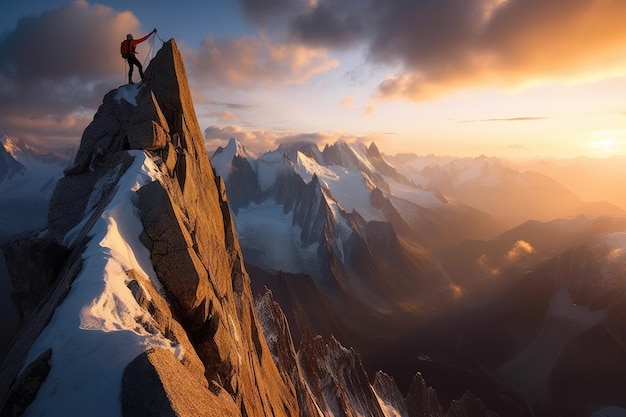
column 552, row 338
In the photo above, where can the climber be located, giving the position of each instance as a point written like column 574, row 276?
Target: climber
column 127, row 50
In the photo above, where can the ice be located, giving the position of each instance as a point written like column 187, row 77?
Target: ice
column 95, row 333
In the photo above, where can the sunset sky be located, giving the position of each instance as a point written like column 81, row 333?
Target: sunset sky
column 512, row 78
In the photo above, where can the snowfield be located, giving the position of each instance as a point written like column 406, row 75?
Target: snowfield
column 272, row 241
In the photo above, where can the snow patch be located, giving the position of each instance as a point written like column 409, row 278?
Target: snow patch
column 270, row 239
column 267, row 168
column 95, row 332
column 128, row 93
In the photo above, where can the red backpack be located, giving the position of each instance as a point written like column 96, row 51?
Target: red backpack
column 125, row 48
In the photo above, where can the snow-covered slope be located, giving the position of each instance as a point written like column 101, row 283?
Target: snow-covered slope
column 100, row 314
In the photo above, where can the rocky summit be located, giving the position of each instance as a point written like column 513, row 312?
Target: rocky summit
column 135, row 301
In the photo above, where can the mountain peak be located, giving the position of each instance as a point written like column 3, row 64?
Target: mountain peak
column 373, row 151
column 156, row 275
column 9, row 166
column 223, row 157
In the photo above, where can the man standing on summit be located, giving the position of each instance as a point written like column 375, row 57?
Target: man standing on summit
column 127, row 50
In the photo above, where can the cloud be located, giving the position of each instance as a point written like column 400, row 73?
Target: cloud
column 57, row 66
column 505, row 43
column 441, row 46
column 255, row 60
column 520, row 248
column 347, row 102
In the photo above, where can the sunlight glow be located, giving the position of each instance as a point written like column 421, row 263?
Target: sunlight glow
column 608, row 142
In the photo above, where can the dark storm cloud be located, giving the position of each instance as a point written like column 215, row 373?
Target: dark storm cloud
column 56, row 67
column 326, row 25
column 442, row 45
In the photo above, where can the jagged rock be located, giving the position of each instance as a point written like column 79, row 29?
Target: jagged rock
column 336, row 378
column 156, row 384
column 278, row 336
column 387, row 390
column 105, row 135
column 147, row 128
column 31, row 280
column 82, row 191
column 421, row 399
column 468, row 406
column 173, row 255
column 162, row 320
column 25, row 389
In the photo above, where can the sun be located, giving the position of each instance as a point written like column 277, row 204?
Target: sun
column 608, row 143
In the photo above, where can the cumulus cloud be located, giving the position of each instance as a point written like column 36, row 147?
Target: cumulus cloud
column 444, row 45
column 255, row 59
column 56, row 67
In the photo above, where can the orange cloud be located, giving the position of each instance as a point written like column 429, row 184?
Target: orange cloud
column 347, row 102
column 520, row 248
column 252, row 60
column 516, row 43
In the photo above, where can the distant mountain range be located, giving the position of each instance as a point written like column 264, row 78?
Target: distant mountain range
column 413, row 260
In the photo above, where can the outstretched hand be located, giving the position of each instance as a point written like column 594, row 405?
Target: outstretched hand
column 154, row 30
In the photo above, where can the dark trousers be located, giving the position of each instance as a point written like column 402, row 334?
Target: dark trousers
column 132, row 61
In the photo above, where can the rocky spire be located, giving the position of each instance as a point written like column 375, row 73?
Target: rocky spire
column 201, row 304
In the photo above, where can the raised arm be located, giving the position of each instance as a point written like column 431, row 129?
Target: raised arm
column 137, row 41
